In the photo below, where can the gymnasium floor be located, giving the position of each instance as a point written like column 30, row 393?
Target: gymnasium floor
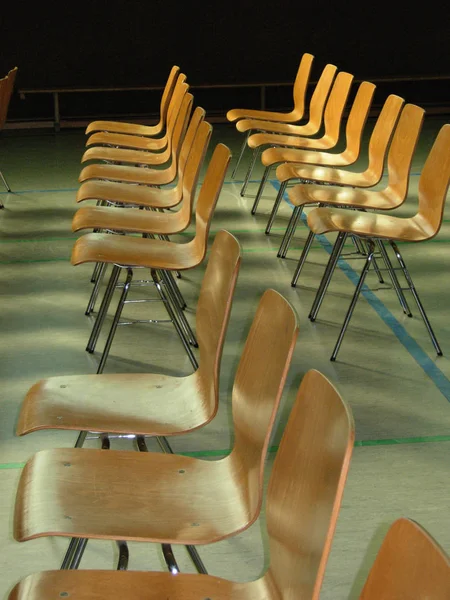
column 387, row 370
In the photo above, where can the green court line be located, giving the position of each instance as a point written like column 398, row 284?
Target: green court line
column 358, row 444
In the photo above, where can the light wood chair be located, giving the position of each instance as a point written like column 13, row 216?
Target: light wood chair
column 424, row 225
column 410, row 564
column 139, row 142
column 295, row 115
column 136, row 128
column 312, row 127
column 138, row 150
column 303, row 501
column 399, row 160
column 6, row 90
column 160, row 256
column 170, row 498
column 157, row 405
column 281, row 145
column 322, row 167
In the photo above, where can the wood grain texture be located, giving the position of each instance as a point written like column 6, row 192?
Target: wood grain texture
column 424, row 225
column 298, row 92
column 303, row 501
column 136, row 128
column 153, row 496
column 409, row 564
column 147, row 404
column 315, row 110
column 6, row 90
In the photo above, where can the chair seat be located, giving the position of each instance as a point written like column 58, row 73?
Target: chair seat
column 126, row 495
column 127, row 193
column 126, row 128
column 255, row 124
column 124, row 155
column 130, row 220
column 324, row 173
column 126, row 141
column 128, row 174
column 261, row 115
column 134, row 252
column 271, row 156
column 137, row 585
column 386, row 199
column 325, row 220
column 155, row 404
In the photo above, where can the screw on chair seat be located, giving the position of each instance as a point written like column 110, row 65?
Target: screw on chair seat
column 136, row 128
column 303, row 501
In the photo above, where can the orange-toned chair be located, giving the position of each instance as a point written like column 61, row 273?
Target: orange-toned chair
column 6, row 90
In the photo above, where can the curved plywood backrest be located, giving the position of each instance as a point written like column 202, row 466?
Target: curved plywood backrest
column 168, row 92
column 214, row 307
column 306, row 487
column 180, row 88
column 410, row 564
column 320, row 96
column 208, row 197
column 336, row 104
column 382, row 135
column 177, row 132
column 301, row 85
column 357, row 119
column 192, row 171
column 186, row 146
column 402, row 148
column 6, row 90
column 434, row 181
column 257, row 390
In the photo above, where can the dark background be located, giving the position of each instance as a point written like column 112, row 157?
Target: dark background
column 136, row 43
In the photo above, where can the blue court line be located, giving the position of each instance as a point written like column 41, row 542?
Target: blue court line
column 410, row 344
column 52, row 191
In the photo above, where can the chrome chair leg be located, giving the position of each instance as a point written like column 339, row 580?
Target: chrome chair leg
column 277, row 203
column 290, row 231
column 179, row 313
column 255, row 155
column 393, row 276
column 169, row 309
column 95, row 290
column 5, row 183
column 106, row 301
column 113, row 328
column 302, row 259
column 176, row 290
column 329, row 270
column 124, row 556
column 261, row 188
column 416, row 298
column 351, row 308
column 244, row 145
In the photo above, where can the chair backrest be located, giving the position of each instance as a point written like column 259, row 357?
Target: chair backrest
column 192, row 170
column 208, row 197
column 306, row 487
column 402, row 148
column 357, row 119
column 213, row 311
column 335, row 106
column 180, row 88
column 319, row 98
column 381, row 136
column 168, row 92
column 434, row 182
column 186, row 146
column 410, row 564
column 6, row 90
column 301, row 85
column 175, row 120
column 257, row 390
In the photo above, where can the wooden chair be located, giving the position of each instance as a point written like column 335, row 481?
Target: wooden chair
column 400, row 155
column 121, row 148
column 160, row 256
column 312, row 127
column 6, row 90
column 424, row 225
column 410, row 564
column 144, row 175
column 303, row 501
column 160, row 506
column 157, row 405
column 321, row 167
column 293, row 116
column 136, row 128
column 281, row 145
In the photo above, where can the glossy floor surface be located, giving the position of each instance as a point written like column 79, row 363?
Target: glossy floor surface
column 387, row 370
